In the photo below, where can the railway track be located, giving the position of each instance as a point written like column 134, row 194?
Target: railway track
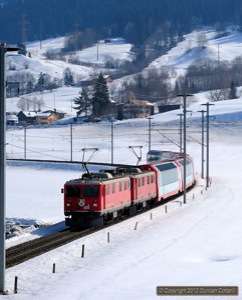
column 25, row 251
column 30, row 249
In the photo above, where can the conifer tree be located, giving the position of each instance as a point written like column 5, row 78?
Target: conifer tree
column 41, row 82
column 233, row 92
column 83, row 102
column 68, row 77
column 100, row 99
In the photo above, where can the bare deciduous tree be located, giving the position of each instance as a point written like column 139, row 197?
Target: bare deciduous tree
column 218, row 95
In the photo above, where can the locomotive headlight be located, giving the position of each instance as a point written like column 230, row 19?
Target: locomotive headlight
column 81, row 202
column 94, row 204
column 68, row 204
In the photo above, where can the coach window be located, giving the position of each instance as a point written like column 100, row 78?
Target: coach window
column 143, row 181
column 107, row 189
column 113, row 188
column 148, row 179
column 120, row 186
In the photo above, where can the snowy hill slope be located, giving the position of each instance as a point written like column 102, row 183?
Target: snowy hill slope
column 177, row 59
column 223, row 48
column 96, row 55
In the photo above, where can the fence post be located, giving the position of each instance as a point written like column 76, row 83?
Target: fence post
column 15, row 284
column 136, row 225
column 83, row 250
column 53, row 270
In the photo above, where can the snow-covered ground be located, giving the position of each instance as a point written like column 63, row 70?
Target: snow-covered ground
column 197, row 244
column 194, row 244
column 97, row 55
column 223, row 48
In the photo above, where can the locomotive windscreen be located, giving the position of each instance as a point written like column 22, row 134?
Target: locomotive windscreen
column 90, row 191
column 72, row 191
column 153, row 156
column 158, row 155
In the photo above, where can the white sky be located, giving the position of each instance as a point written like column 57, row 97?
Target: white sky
column 197, row 244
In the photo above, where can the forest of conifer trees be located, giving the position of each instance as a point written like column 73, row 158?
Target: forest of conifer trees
column 136, row 21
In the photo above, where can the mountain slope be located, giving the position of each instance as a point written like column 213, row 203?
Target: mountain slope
column 177, row 60
column 28, row 20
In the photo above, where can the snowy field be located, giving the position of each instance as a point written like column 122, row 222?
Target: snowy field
column 193, row 244
column 197, row 244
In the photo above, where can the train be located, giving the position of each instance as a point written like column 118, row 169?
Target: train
column 161, row 155
column 99, row 197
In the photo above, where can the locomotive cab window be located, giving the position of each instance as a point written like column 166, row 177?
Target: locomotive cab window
column 90, row 191
column 72, row 191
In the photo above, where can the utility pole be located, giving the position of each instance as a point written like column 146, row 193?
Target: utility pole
column 40, row 36
column 202, row 165
column 207, row 160
column 97, row 51
column 24, row 29
column 71, row 139
column 97, row 36
column 111, row 142
column 3, row 50
column 25, row 147
column 184, row 145
column 181, row 115
column 149, row 118
column 76, row 35
column 218, row 56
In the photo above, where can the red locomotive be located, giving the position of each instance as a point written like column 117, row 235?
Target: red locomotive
column 96, row 198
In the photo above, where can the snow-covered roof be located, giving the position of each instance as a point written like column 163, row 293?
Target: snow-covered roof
column 43, row 114
column 29, row 113
column 139, row 103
